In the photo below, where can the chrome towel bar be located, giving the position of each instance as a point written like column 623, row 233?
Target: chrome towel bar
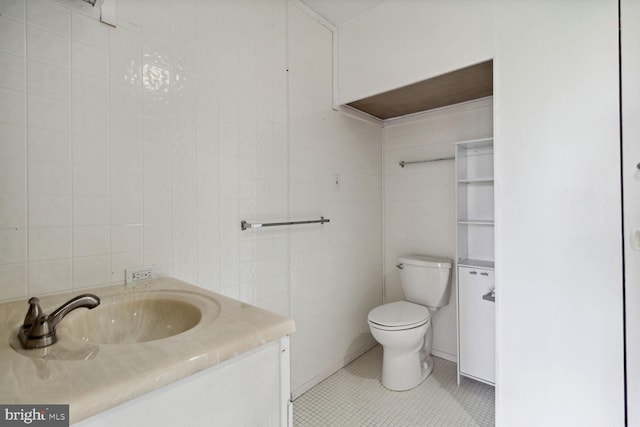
column 245, row 225
column 403, row 163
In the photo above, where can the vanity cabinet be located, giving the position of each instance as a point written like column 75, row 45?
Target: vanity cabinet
column 232, row 393
column 475, row 260
column 476, row 305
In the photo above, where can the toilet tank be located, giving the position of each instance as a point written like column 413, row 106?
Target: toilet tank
column 425, row 280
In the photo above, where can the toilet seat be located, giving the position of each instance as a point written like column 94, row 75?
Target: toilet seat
column 399, row 315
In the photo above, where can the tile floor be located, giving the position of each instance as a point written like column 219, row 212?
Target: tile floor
column 355, row 397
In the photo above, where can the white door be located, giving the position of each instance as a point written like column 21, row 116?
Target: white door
column 630, row 11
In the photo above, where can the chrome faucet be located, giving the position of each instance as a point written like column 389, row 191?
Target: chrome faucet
column 39, row 329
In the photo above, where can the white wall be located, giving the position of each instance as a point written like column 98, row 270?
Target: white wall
column 149, row 143
column 558, row 248
column 406, row 41
column 144, row 144
column 420, row 215
column 336, row 269
column 630, row 10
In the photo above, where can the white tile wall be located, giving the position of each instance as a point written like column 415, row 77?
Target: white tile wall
column 143, row 144
column 12, row 74
column 13, row 35
column 335, row 269
column 149, row 142
column 49, row 15
column 13, row 153
column 420, row 199
column 50, row 276
column 13, row 8
column 47, row 46
column 12, row 106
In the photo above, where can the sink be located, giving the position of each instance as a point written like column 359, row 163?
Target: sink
column 139, row 317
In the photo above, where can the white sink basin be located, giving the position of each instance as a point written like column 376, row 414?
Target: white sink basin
column 139, row 317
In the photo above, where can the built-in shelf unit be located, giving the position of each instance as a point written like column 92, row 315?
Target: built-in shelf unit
column 475, row 260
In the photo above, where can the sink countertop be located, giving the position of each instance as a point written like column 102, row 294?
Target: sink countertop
column 92, row 378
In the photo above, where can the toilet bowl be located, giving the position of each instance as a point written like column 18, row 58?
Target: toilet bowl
column 403, row 328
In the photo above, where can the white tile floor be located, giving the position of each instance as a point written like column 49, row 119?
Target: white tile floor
column 354, row 397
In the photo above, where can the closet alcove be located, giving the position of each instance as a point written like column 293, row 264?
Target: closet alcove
column 475, row 296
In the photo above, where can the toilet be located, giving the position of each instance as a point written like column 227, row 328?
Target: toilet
column 403, row 328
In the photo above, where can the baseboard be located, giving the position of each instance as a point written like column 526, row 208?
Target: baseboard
column 444, row 355
column 299, row 391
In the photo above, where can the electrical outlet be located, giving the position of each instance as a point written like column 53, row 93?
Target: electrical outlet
column 136, row 275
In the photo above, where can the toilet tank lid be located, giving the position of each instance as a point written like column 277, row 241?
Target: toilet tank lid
column 426, row 261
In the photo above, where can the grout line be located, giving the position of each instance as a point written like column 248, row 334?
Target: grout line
column 70, row 142
column 26, row 152
column 288, row 138
column 109, row 118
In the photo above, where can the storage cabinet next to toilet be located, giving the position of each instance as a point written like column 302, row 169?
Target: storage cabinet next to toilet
column 475, row 260
column 476, row 314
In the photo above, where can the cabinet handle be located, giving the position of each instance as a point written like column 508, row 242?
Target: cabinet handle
column 473, row 272
column 400, row 266
column 484, row 273
column 490, row 296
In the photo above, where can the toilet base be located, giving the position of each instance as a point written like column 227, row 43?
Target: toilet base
column 406, row 355
column 404, row 372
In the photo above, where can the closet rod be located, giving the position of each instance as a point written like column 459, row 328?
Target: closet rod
column 245, row 225
column 403, row 163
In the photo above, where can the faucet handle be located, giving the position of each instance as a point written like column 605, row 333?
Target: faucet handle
column 33, row 313
column 40, row 328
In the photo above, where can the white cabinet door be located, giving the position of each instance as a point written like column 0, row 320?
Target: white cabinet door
column 477, row 324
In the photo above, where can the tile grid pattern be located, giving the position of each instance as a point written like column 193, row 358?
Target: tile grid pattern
column 147, row 143
column 354, row 396
column 142, row 144
column 335, row 269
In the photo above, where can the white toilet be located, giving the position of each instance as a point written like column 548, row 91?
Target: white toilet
column 403, row 328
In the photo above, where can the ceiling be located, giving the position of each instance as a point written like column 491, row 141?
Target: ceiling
column 339, row 12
